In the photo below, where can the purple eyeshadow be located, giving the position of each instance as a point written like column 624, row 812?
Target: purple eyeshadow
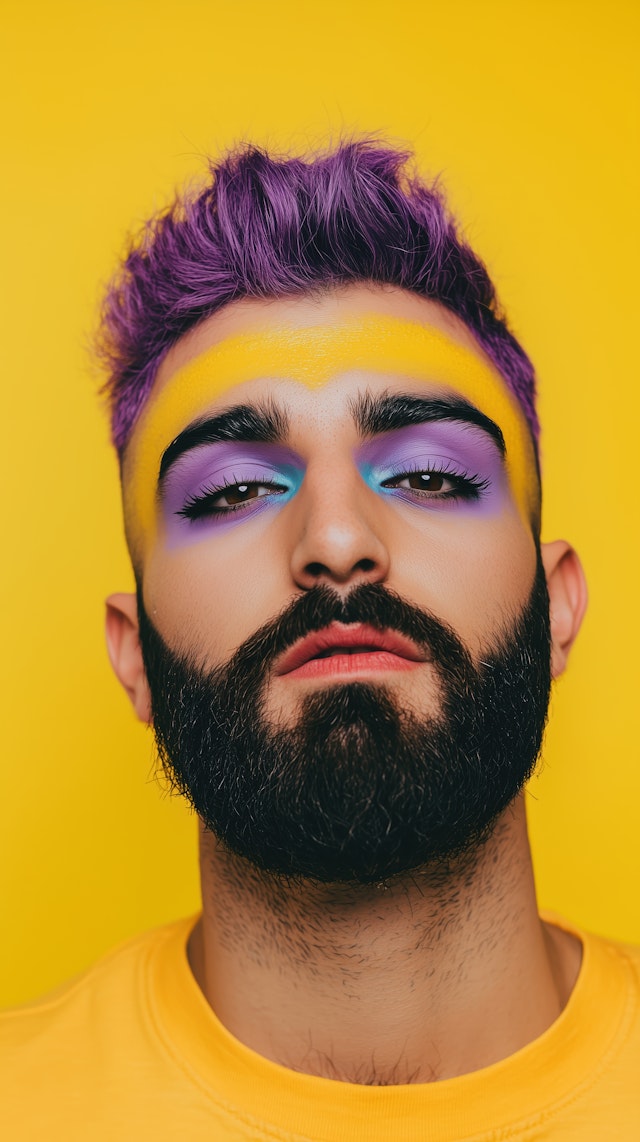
column 218, row 465
column 460, row 450
column 463, row 452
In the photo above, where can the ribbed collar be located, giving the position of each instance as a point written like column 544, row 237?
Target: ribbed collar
column 516, row 1092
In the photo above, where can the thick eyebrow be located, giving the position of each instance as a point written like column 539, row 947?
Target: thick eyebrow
column 384, row 413
column 373, row 415
column 249, row 424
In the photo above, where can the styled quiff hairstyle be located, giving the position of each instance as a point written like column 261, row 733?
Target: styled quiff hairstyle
column 266, row 227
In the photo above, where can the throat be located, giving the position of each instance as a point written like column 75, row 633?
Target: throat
column 405, row 982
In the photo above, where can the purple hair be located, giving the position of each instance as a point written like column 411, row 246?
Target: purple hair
column 268, row 228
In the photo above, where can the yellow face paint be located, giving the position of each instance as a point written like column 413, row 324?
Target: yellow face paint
column 314, row 355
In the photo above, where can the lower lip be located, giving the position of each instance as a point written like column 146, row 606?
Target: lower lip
column 370, row 662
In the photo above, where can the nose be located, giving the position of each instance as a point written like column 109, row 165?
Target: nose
column 339, row 540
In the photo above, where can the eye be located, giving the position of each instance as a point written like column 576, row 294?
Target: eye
column 240, row 494
column 229, row 499
column 437, row 484
column 421, row 481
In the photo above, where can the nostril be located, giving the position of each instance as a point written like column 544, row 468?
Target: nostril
column 317, row 569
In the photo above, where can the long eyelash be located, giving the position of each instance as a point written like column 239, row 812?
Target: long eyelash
column 474, row 484
column 208, row 493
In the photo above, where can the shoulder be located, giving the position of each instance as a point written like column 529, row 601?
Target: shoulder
column 607, row 990
column 87, row 1061
column 625, row 955
column 604, row 949
column 617, row 952
column 109, row 992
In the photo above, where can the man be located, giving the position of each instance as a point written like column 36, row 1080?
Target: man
column 344, row 634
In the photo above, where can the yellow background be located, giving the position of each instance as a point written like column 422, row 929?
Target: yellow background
column 529, row 111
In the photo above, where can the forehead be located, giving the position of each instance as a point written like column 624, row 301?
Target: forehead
column 327, row 307
column 316, row 345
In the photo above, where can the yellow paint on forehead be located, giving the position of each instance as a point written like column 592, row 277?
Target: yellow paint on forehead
column 314, row 355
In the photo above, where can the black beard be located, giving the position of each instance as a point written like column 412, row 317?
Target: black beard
column 358, row 790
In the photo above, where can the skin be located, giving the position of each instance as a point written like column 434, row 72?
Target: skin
column 312, row 355
column 443, row 978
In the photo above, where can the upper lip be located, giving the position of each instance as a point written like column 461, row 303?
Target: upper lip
column 349, row 636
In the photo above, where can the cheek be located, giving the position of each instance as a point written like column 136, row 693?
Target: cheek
column 476, row 578
column 207, row 598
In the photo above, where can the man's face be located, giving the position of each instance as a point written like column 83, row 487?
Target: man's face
column 309, row 447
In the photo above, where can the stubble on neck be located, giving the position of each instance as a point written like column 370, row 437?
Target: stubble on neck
column 416, row 979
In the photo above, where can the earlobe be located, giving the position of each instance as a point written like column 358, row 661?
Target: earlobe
column 125, row 654
column 568, row 597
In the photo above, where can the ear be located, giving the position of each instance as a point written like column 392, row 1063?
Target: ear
column 123, row 644
column 567, row 598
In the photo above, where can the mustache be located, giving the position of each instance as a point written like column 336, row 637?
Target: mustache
column 371, row 603
column 361, row 787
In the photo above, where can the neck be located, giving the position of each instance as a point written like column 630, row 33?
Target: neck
column 418, row 980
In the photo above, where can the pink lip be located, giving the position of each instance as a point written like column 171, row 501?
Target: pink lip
column 377, row 650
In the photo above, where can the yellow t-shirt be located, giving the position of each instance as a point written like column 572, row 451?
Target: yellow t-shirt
column 131, row 1050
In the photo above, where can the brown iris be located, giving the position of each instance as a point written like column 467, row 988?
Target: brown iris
column 239, row 493
column 426, row 480
column 419, row 481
